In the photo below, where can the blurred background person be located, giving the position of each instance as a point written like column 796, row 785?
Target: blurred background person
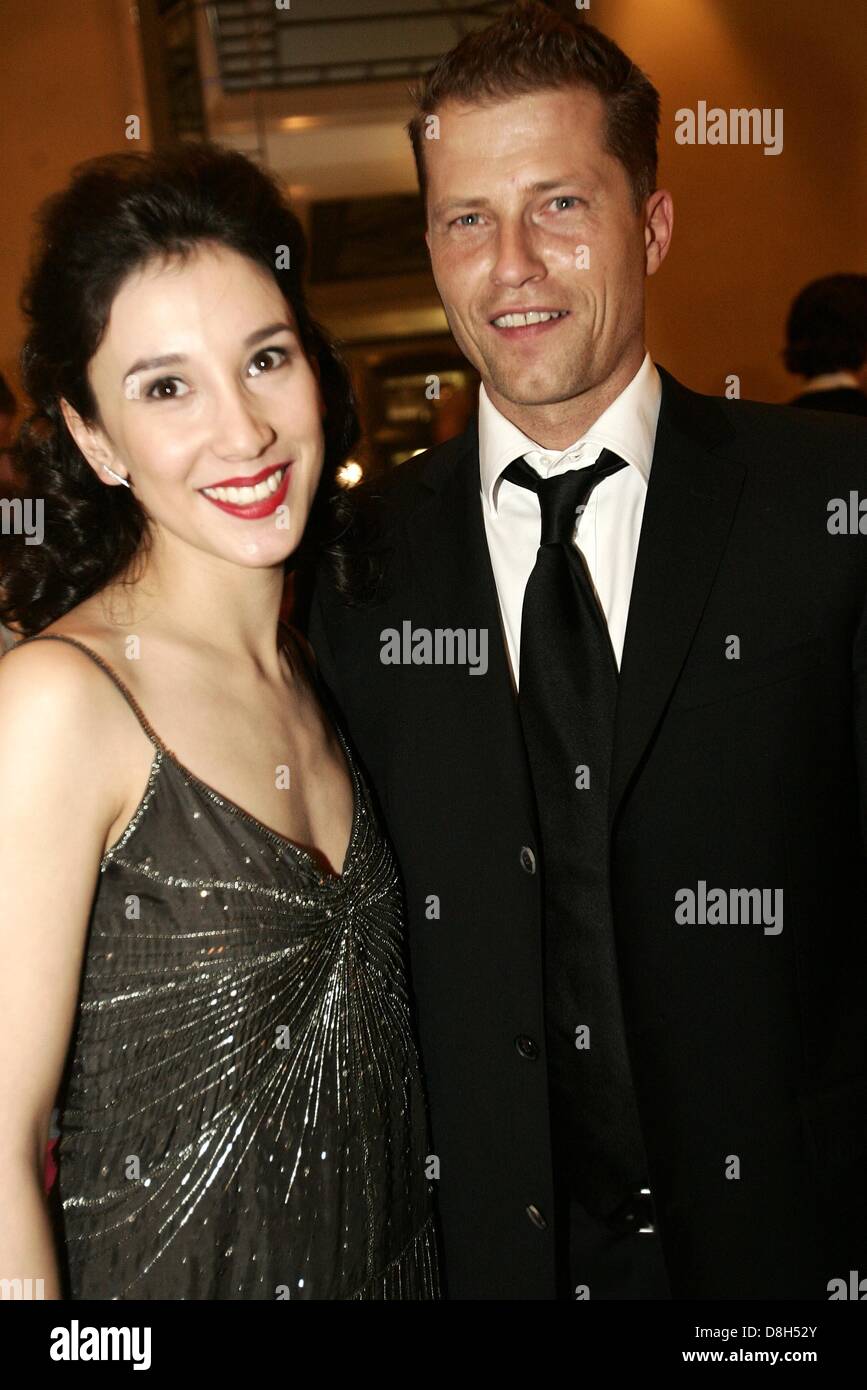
column 826, row 343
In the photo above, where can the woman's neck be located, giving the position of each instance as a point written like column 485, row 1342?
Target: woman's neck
column 205, row 601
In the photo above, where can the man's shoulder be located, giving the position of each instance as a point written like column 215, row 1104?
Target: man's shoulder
column 410, row 484
column 817, row 428
column 381, row 509
column 745, row 414
column 801, row 452
column 772, row 437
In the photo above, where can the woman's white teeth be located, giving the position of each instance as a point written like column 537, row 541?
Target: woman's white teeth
column 523, row 320
column 245, row 496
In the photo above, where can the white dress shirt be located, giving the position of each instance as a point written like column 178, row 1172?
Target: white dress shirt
column 608, row 528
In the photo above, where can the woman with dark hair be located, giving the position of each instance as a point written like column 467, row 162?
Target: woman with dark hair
column 201, row 943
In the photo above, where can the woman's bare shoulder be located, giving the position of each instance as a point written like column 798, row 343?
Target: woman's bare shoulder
column 47, row 685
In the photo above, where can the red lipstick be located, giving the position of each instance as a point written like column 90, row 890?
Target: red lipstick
column 261, row 507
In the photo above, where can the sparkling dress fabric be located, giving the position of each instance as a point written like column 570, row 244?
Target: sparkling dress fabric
column 244, row 1115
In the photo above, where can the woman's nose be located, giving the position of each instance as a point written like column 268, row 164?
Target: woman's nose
column 240, row 431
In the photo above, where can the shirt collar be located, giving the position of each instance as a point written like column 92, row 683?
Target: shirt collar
column 627, row 426
column 828, row 380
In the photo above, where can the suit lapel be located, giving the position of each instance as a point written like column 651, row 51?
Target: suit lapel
column 689, row 509
column 452, row 568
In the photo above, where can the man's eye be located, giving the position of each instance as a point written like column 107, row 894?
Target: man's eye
column 267, row 359
column 567, row 198
column 166, row 389
column 463, row 217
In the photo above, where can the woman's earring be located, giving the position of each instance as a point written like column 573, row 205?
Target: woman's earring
column 115, row 475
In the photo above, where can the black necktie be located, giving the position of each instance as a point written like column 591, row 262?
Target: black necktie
column 567, row 694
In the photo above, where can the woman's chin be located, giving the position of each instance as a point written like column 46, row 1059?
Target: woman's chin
column 264, row 552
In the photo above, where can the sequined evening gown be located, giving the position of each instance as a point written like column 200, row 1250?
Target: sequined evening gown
column 244, row 1115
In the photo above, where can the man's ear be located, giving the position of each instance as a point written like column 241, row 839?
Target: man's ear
column 91, row 441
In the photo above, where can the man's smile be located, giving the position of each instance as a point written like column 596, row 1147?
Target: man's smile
column 521, row 323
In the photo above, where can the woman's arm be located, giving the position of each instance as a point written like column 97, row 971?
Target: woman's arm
column 59, row 794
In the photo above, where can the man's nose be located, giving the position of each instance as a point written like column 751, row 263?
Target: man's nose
column 517, row 256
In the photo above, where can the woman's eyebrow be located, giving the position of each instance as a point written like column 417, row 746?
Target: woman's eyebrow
column 144, row 364
column 173, row 359
column 260, row 333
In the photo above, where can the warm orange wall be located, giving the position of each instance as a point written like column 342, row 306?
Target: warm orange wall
column 751, row 229
column 68, row 78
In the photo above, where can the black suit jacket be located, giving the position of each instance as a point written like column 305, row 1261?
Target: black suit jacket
column 846, row 400
column 749, row 1049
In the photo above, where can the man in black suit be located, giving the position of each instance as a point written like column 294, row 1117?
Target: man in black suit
column 623, row 761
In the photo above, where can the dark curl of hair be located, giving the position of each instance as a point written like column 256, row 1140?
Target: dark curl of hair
column 118, row 213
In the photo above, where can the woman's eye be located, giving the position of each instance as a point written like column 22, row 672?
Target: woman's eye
column 267, row 359
column 166, row 389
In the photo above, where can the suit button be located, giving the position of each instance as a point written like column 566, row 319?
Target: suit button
column 527, row 1047
column 528, row 860
column 536, row 1217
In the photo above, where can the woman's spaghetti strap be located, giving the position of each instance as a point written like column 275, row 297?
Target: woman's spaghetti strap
column 109, row 671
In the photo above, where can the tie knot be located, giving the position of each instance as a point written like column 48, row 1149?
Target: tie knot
column 562, row 497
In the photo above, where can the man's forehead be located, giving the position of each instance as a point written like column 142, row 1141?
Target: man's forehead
column 524, row 158
column 518, row 132
column 536, row 107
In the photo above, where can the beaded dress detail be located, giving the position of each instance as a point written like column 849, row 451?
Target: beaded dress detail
column 243, row 1115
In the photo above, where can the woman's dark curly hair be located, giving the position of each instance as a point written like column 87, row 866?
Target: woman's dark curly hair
column 118, row 213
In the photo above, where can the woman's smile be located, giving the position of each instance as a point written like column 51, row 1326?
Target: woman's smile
column 251, row 498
